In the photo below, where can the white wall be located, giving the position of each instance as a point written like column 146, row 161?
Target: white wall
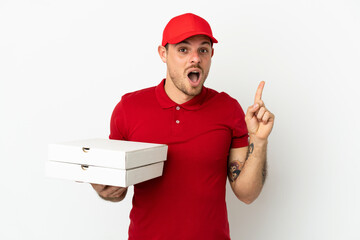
column 65, row 64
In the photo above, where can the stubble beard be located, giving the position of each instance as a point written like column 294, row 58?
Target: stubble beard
column 181, row 85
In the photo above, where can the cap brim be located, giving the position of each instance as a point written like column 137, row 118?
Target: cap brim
column 184, row 36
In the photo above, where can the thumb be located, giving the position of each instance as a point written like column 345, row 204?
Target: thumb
column 252, row 110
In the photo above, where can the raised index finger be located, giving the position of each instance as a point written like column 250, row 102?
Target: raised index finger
column 259, row 91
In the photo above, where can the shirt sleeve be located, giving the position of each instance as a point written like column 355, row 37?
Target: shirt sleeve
column 239, row 132
column 118, row 126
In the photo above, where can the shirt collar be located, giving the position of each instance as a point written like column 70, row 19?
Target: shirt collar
column 166, row 102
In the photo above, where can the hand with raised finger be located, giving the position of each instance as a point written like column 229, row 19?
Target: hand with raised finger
column 258, row 118
column 110, row 193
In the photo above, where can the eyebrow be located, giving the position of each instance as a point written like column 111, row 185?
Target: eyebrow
column 186, row 42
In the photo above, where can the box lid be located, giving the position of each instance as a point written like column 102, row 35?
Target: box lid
column 107, row 153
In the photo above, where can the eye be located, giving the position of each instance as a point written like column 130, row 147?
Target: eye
column 204, row 50
column 183, row 50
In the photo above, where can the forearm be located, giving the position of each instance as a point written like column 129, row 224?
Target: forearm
column 248, row 184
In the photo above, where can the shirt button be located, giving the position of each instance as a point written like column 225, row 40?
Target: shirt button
column 177, row 121
column 177, row 108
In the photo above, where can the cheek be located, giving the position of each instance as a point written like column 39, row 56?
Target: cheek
column 175, row 61
column 209, row 63
column 206, row 63
column 178, row 65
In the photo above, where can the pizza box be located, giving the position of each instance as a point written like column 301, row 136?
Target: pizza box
column 106, row 161
column 102, row 175
column 107, row 153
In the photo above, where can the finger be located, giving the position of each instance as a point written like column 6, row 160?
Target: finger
column 117, row 193
column 255, row 108
column 98, row 187
column 251, row 111
column 270, row 118
column 261, row 113
column 259, row 91
column 266, row 117
column 260, row 103
column 109, row 191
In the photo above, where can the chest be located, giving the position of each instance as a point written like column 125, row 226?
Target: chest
column 203, row 135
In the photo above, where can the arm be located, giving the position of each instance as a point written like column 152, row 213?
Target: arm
column 247, row 170
column 251, row 161
column 118, row 132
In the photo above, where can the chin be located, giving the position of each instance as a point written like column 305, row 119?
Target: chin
column 194, row 92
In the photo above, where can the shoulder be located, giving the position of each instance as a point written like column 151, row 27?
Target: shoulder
column 143, row 97
column 221, row 98
column 133, row 100
column 139, row 95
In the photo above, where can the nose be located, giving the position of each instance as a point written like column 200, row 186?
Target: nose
column 195, row 58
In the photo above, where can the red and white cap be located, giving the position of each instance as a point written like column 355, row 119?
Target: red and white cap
column 184, row 26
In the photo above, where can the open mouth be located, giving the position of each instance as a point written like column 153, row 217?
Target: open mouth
column 194, row 76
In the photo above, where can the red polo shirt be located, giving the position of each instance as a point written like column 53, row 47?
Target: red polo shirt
column 188, row 201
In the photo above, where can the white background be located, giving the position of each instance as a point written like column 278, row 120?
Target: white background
column 65, row 64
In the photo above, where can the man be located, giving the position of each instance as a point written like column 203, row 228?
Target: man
column 207, row 133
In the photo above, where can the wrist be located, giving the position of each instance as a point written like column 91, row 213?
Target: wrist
column 257, row 141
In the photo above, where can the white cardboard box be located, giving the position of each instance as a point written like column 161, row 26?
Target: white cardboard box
column 105, row 161
column 101, row 175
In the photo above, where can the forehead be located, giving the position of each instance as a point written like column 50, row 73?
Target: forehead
column 202, row 39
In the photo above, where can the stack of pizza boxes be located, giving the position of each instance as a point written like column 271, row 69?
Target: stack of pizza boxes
column 105, row 161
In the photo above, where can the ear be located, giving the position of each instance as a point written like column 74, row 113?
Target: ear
column 162, row 53
column 212, row 52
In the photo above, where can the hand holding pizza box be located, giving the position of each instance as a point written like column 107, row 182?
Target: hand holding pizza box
column 105, row 161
